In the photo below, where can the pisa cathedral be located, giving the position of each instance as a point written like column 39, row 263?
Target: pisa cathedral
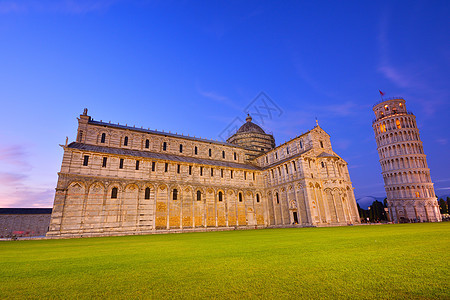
column 122, row 180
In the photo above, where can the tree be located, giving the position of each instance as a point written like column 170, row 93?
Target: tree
column 363, row 214
column 443, row 207
column 377, row 212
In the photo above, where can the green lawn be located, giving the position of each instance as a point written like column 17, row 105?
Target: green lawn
column 408, row 261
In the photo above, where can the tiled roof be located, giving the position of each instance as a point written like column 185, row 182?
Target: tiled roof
column 324, row 154
column 282, row 161
column 162, row 133
column 25, row 211
column 250, row 127
column 161, row 156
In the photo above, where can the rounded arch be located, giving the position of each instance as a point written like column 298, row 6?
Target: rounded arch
column 163, row 186
column 115, row 184
column 96, row 183
column 220, row 195
column 131, row 185
column 148, row 185
column 258, row 196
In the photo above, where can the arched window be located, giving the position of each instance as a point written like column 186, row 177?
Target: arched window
column 245, row 175
column 178, row 169
column 220, row 196
column 195, row 150
column 276, row 155
column 257, row 198
column 147, row 143
column 181, row 148
column 323, row 165
column 114, row 193
column 235, row 156
column 287, row 150
column 321, row 144
column 278, row 199
column 301, row 145
column 175, row 194
column 147, row 193
column 231, row 174
column 240, row 197
column 102, row 140
column 199, row 195
column 209, row 152
column 201, row 171
column 164, row 146
column 125, row 141
column 223, row 154
column 166, row 167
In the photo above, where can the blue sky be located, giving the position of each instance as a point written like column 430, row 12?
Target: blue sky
column 193, row 66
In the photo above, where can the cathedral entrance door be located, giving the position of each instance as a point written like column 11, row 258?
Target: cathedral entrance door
column 295, row 217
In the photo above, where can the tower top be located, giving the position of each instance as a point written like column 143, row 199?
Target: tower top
column 388, row 107
column 248, row 119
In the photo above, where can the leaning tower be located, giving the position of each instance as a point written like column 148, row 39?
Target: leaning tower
column 407, row 181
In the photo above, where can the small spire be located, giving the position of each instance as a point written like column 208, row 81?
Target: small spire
column 248, row 119
column 85, row 112
column 317, row 122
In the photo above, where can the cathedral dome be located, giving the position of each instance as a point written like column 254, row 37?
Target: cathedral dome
column 253, row 138
column 249, row 126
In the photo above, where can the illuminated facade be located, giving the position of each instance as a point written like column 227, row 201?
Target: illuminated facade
column 406, row 175
column 122, row 180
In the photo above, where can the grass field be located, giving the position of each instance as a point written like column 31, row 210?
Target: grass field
column 408, row 261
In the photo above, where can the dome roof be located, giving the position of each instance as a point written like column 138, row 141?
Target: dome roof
column 250, row 127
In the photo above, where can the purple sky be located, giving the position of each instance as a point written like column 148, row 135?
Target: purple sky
column 193, row 67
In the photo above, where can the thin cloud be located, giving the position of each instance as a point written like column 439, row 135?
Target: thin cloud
column 304, row 74
column 342, row 144
column 385, row 66
column 412, row 76
column 344, row 109
column 15, row 155
column 25, row 196
column 442, row 180
column 216, row 97
column 442, row 141
column 11, row 178
column 65, row 6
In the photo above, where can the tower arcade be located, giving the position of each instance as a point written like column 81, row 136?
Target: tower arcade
column 406, row 175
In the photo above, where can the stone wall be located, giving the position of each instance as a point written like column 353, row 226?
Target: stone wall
column 18, row 222
column 109, row 186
